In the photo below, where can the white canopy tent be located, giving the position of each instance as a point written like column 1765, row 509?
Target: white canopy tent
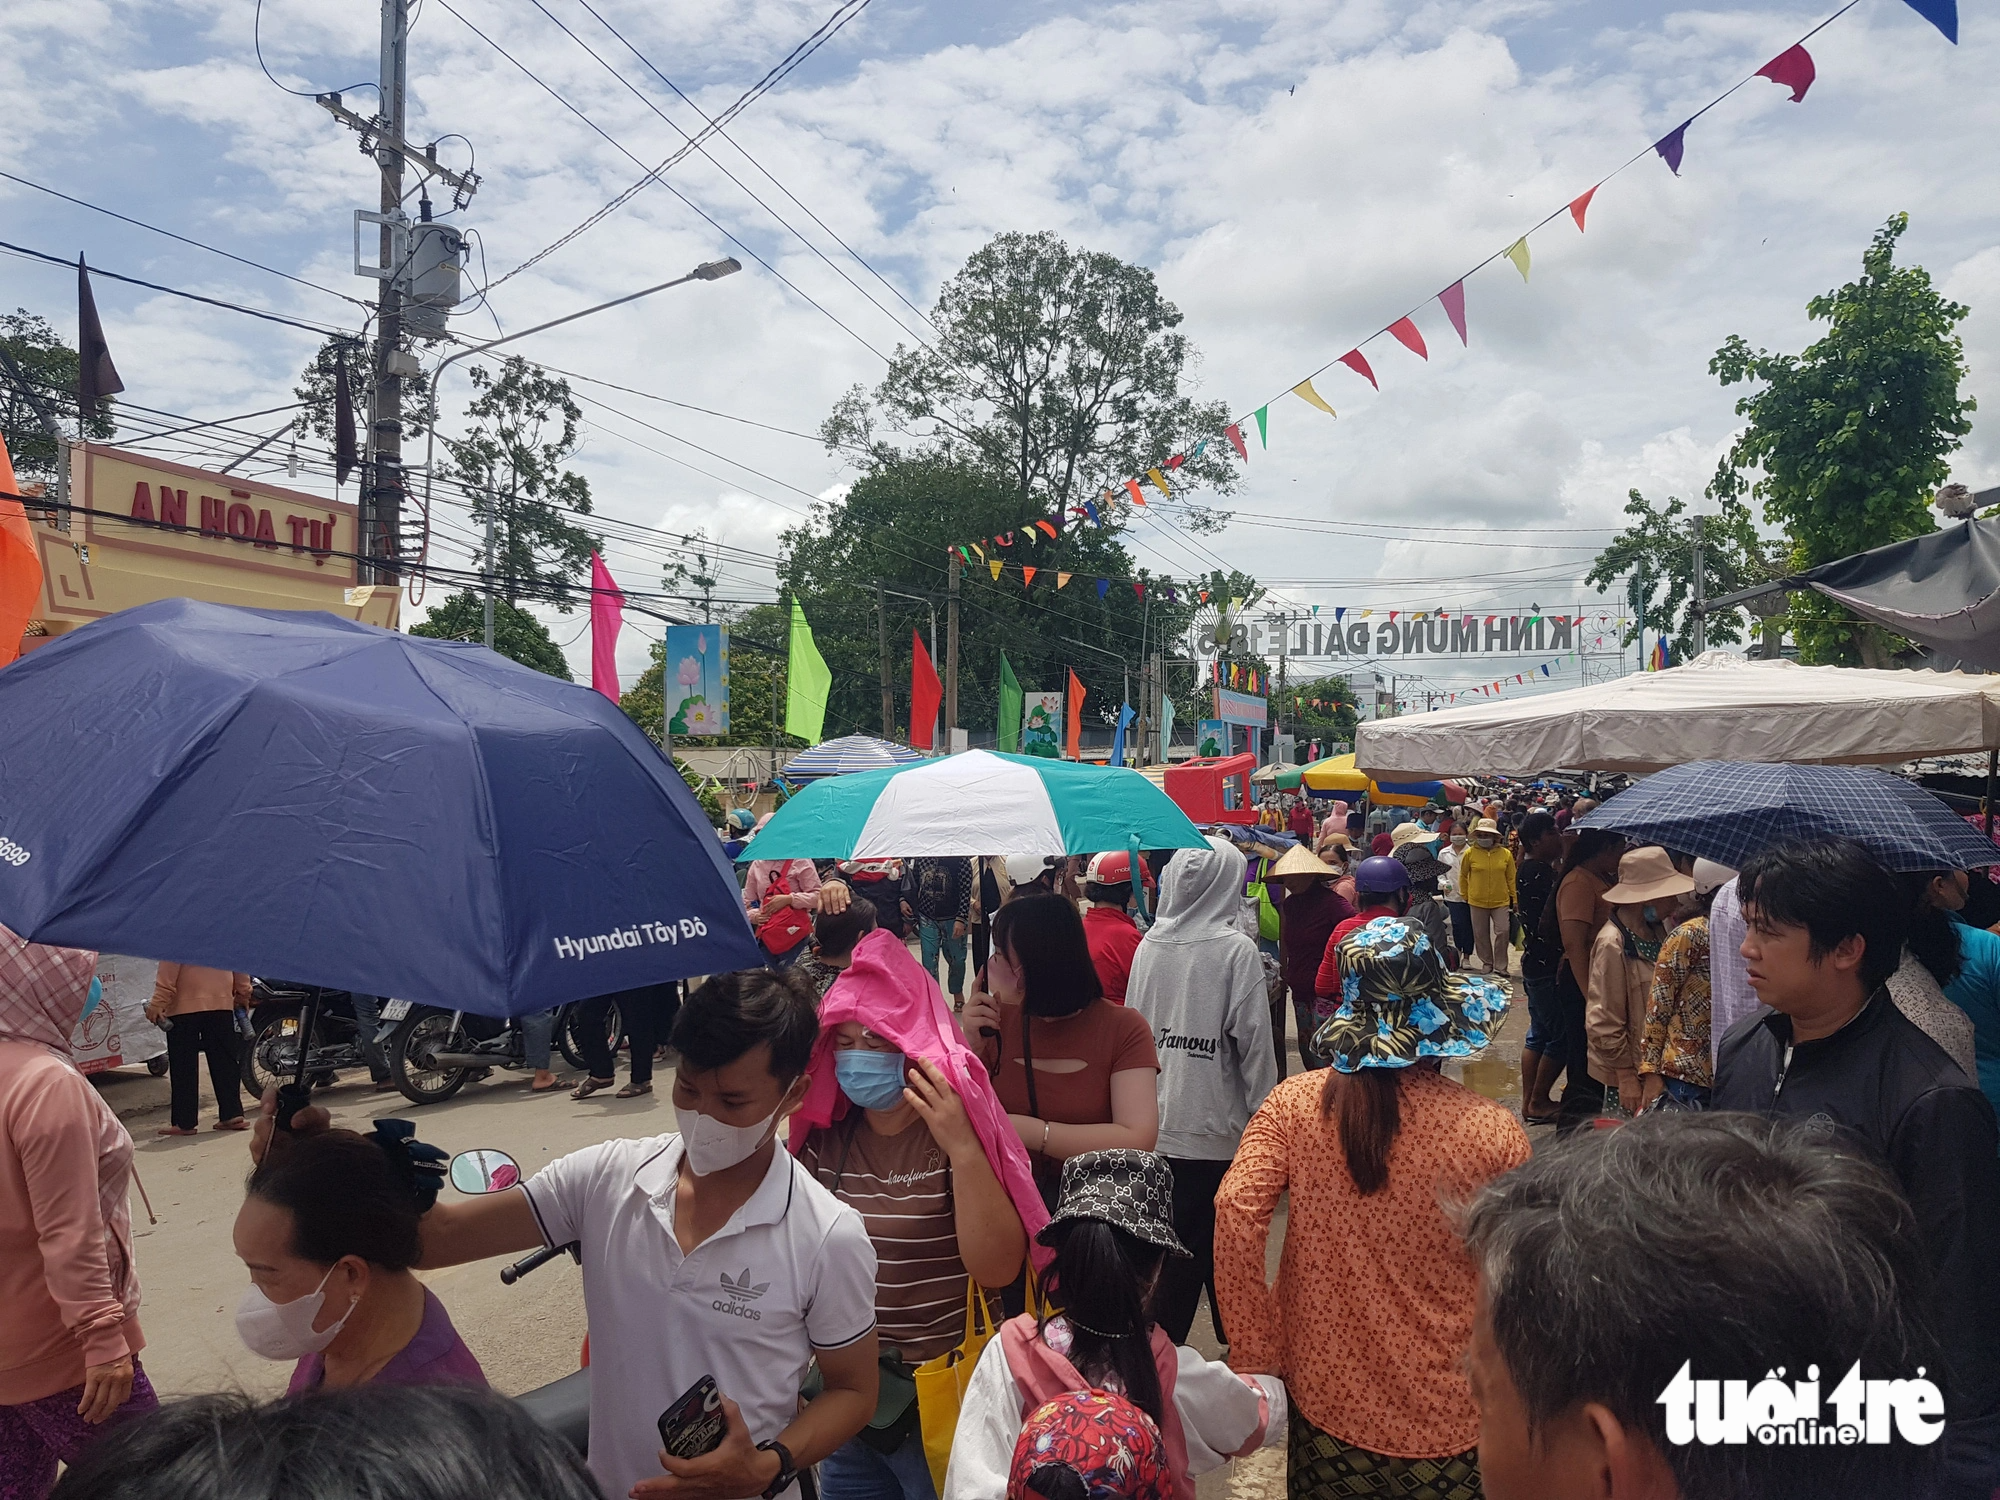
column 1717, row 707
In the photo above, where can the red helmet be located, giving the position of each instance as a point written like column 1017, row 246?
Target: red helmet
column 1109, row 869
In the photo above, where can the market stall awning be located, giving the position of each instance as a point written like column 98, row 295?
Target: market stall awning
column 1338, row 774
column 1942, row 590
column 1718, row 707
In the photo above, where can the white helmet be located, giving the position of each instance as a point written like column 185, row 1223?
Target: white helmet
column 1025, row 868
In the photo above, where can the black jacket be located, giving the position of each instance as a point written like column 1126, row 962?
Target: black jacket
column 1881, row 1083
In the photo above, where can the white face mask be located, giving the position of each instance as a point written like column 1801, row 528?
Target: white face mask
column 284, row 1330
column 715, row 1147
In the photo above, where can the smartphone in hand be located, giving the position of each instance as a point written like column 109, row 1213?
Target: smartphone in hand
column 695, row 1423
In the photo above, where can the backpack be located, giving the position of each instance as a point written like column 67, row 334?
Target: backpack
column 785, row 930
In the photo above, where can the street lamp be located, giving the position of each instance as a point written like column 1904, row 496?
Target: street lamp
column 710, row 270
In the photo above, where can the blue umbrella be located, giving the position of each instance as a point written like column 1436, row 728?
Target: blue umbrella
column 846, row 755
column 287, row 793
column 1729, row 810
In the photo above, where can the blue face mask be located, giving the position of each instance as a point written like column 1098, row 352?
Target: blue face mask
column 873, row 1080
column 1650, row 913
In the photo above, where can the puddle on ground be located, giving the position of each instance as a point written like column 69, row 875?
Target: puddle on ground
column 1494, row 1077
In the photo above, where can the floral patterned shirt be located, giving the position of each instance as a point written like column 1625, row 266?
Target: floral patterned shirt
column 1677, row 1022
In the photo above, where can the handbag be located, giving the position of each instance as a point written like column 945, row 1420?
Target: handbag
column 941, row 1383
column 785, row 930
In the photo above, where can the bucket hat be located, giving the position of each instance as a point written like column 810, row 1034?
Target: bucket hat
column 1422, row 864
column 1129, row 1190
column 1398, row 1004
column 1412, row 832
column 1487, row 825
column 1647, row 874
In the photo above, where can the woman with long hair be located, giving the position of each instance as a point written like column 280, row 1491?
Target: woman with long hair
column 1372, row 1311
column 1571, row 921
column 1946, row 983
column 1112, row 1234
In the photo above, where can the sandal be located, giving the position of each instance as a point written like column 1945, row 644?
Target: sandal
column 235, row 1122
column 591, row 1086
column 1548, row 1119
column 634, row 1091
column 545, row 1088
column 176, row 1130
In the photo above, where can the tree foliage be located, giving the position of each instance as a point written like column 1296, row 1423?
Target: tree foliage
column 516, row 633
column 1849, row 440
column 51, row 368
column 1656, row 553
column 1322, row 709
column 512, row 466
column 316, row 388
column 1059, row 369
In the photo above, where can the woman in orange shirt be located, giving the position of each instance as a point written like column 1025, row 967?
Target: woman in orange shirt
column 1372, row 1312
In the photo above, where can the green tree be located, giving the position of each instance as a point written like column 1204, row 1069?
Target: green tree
column 1849, row 439
column 1059, row 369
column 50, row 366
column 511, row 465
column 1655, row 555
column 316, row 386
column 516, row 633
column 1322, row 709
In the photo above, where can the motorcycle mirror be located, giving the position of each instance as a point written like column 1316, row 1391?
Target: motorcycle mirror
column 484, row 1172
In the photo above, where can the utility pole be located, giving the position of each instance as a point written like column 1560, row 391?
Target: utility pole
column 888, row 687
column 492, row 542
column 1700, row 592
column 382, row 497
column 951, row 652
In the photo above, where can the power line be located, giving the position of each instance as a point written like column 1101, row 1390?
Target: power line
column 174, row 291
column 257, row 42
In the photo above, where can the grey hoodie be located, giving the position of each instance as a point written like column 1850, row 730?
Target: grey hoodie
column 1199, row 982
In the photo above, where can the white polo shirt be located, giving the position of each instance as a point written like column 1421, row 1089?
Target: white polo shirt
column 792, row 1271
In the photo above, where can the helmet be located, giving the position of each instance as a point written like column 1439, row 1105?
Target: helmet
column 1109, row 869
column 1380, row 874
column 1023, row 869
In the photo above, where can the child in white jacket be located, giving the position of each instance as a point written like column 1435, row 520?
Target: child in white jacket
column 1112, row 1233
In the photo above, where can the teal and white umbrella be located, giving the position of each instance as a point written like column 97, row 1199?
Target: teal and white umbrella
column 975, row 803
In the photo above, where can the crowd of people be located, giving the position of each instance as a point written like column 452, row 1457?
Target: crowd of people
column 954, row 1174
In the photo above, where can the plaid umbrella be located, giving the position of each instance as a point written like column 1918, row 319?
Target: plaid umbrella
column 1729, row 810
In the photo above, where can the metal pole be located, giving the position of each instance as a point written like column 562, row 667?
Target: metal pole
column 951, row 653
column 382, row 495
column 492, row 542
column 1700, row 594
column 888, row 686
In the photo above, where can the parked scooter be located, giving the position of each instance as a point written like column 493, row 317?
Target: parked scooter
column 434, row 1052
column 271, row 1041
column 563, row 1405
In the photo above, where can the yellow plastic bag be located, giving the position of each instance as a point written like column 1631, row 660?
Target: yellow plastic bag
column 941, row 1382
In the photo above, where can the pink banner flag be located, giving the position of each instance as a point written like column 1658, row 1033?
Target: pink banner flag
column 1792, row 69
column 607, row 616
column 1356, row 361
column 1452, row 299
column 1405, row 333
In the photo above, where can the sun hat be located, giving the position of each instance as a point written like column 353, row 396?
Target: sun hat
column 1398, row 1004
column 1647, row 874
column 1422, row 864
column 1113, row 868
column 1412, row 832
column 1708, row 875
column 1113, row 1449
column 1129, row 1190
column 1487, row 825
column 1299, row 860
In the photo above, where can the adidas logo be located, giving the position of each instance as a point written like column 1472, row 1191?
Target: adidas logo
column 738, row 1294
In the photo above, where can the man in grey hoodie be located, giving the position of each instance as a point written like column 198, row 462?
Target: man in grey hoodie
column 1199, row 982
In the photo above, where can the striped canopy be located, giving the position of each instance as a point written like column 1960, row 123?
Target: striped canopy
column 846, row 755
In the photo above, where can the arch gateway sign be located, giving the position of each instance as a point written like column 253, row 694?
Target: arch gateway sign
column 1426, row 632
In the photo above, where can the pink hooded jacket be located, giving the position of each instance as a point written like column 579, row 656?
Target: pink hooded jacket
column 69, row 1297
column 888, row 991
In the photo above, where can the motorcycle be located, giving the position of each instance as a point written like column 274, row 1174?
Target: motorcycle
column 563, row 1405
column 435, row 1052
column 271, row 1035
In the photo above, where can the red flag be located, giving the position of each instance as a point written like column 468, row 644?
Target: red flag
column 1580, row 205
column 1074, row 739
column 607, row 616
column 1356, row 361
column 926, row 693
column 1133, row 486
column 1177, row 460
column 1405, row 333
column 1452, row 299
column 20, row 566
column 1235, row 436
column 1791, row 69
column 1027, row 575
column 1139, row 590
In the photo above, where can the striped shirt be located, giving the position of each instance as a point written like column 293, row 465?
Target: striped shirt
column 901, row 1186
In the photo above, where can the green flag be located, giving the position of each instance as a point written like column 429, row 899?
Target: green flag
column 1010, row 707
column 808, row 681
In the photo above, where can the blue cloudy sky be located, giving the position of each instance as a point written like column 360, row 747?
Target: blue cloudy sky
column 1297, row 171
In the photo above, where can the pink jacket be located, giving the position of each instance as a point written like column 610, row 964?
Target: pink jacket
column 69, row 1297
column 887, row 990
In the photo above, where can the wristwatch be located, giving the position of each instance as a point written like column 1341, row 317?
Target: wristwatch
column 787, row 1471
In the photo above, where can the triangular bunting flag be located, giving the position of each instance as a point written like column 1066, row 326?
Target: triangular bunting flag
column 1006, row 540
column 1176, row 461
column 1304, row 389
column 1518, row 253
column 1791, row 69
column 1103, row 587
column 961, row 551
column 1580, row 205
column 1452, row 300
column 1263, row 437
column 1356, row 361
column 994, row 565
column 1091, row 510
column 1670, row 145
column 1404, row 332
column 1049, row 527
column 1159, row 479
column 1139, row 590
column 1942, row 14
column 1061, row 579
column 1235, row 436
column 980, row 550
column 1028, row 535
column 1199, row 449
column 1133, row 486
column 1027, row 575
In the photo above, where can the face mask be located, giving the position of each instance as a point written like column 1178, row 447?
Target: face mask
column 873, row 1080
column 1486, row 841
column 715, row 1147
column 284, row 1330
column 1650, row 913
